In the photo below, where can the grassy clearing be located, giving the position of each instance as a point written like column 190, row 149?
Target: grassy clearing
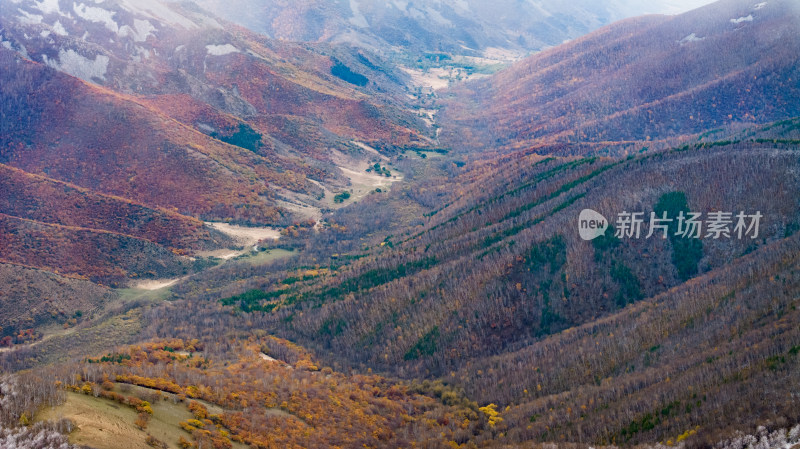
column 139, row 294
column 104, row 424
column 264, row 257
column 101, row 423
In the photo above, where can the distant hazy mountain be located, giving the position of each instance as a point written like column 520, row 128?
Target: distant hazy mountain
column 730, row 63
column 464, row 27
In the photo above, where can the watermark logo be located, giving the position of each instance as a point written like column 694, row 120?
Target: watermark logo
column 690, row 225
column 591, row 224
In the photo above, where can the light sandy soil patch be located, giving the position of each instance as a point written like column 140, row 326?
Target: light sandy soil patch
column 353, row 165
column 438, row 78
column 495, row 54
column 306, row 207
column 224, row 254
column 435, row 78
column 362, row 183
column 243, row 236
column 369, row 149
column 428, row 116
column 369, row 179
column 267, row 358
column 156, row 284
column 301, row 206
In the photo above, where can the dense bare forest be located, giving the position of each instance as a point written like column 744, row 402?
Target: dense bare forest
column 569, row 339
column 642, row 81
column 226, row 240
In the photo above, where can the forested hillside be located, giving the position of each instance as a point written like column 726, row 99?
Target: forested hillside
column 211, row 238
column 34, row 298
column 155, row 118
column 496, row 295
column 639, row 82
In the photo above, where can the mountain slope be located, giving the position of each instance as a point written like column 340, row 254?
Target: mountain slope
column 610, row 341
column 681, row 363
column 514, row 260
column 639, row 80
column 42, row 199
column 472, row 279
column 282, row 106
column 58, row 226
column 71, row 131
column 101, row 256
column 168, row 116
column 471, row 27
column 34, row 298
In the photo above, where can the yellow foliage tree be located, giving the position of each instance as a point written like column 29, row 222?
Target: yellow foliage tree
column 491, row 414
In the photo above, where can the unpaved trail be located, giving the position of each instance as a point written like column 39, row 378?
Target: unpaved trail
column 47, row 336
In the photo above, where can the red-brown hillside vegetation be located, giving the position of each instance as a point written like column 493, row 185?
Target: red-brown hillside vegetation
column 71, row 131
column 642, row 79
column 32, row 298
column 98, row 255
column 46, row 200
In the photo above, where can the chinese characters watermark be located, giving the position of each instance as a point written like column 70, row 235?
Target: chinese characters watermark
column 633, row 225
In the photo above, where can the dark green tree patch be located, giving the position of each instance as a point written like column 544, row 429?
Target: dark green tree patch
column 686, row 252
column 343, row 72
